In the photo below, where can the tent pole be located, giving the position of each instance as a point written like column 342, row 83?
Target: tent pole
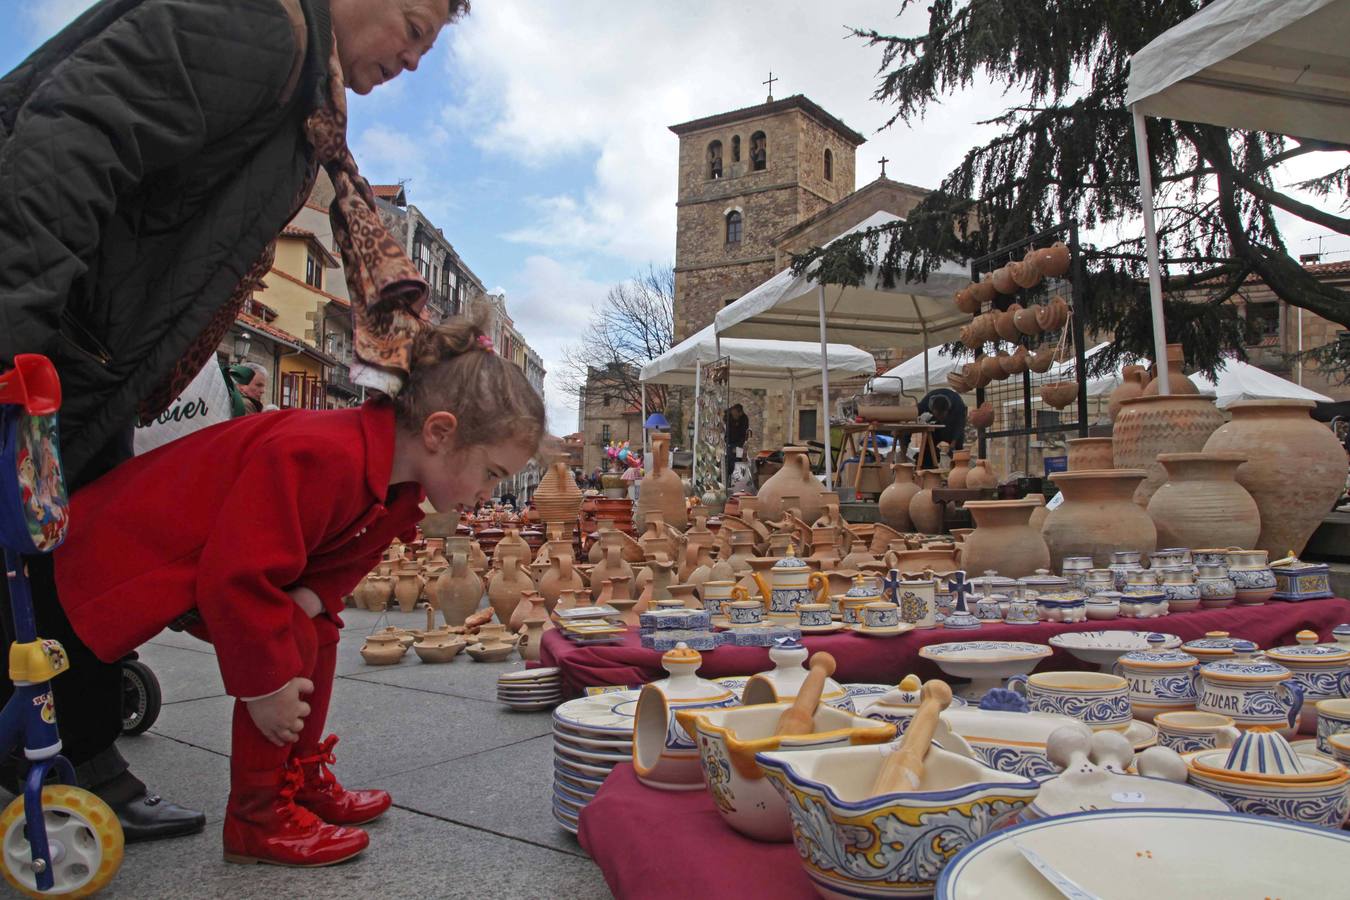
column 698, row 391
column 644, row 423
column 825, row 387
column 792, row 406
column 1151, row 243
column 1300, row 346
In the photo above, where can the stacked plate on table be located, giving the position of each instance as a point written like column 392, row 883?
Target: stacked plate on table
column 591, row 736
column 530, row 689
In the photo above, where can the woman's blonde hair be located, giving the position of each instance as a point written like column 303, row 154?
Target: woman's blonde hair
column 455, row 369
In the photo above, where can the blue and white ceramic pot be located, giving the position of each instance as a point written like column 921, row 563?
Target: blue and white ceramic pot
column 1254, row 692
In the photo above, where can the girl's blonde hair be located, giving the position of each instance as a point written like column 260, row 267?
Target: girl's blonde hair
column 454, row 368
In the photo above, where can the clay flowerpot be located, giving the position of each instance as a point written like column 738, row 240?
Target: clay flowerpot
column 1295, row 469
column 794, row 479
column 1015, row 363
column 1026, row 274
column 1094, row 453
column 661, row 489
column 1053, row 261
column 1098, row 516
column 923, row 512
column 1132, row 381
column 561, row 573
column 981, row 477
column 1149, row 425
column 557, row 497
column 408, row 589
column 990, row 367
column 1004, row 325
column 956, row 478
column 1059, row 394
column 893, row 504
column 511, row 542
column 983, row 290
column 1041, row 361
column 458, row 590
column 1201, row 503
column 1177, row 382
column 982, row 416
column 1003, row 281
column 1003, row 539
column 1025, row 321
column 967, row 299
column 957, row 381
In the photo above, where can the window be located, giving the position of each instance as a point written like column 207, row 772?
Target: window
column 736, row 148
column 604, row 434
column 422, row 258
column 733, row 227
column 829, row 165
column 313, row 271
column 1263, row 324
column 715, row 159
column 759, row 151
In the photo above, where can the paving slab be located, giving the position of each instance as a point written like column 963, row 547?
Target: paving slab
column 189, row 776
column 461, row 677
column 183, row 674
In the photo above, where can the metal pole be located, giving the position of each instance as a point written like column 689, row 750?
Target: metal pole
column 825, row 388
column 644, row 423
column 923, row 323
column 792, row 406
column 698, row 391
column 1151, row 244
column 1300, row 346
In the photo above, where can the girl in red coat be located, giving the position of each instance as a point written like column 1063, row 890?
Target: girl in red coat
column 250, row 533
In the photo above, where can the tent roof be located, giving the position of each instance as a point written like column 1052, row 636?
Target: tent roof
column 1268, row 65
column 785, row 307
column 755, row 363
column 911, row 371
column 1243, row 381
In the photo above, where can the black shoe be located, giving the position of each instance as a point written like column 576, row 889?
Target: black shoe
column 151, row 818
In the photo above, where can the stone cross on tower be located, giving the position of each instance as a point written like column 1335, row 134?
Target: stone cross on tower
column 770, row 84
column 883, row 162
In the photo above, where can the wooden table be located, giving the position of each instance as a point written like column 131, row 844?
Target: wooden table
column 944, row 496
column 901, row 431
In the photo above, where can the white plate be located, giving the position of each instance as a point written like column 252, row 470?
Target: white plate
column 1155, row 853
column 568, row 825
column 1141, row 734
column 591, row 744
column 1308, row 748
column 572, row 795
column 603, row 713
column 550, row 694
column 568, row 805
column 531, row 707
column 579, row 783
column 1103, row 648
column 892, row 631
column 567, row 765
column 532, row 675
column 984, row 651
column 822, row 629
column 590, row 757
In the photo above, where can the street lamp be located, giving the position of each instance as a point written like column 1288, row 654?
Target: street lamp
column 241, row 344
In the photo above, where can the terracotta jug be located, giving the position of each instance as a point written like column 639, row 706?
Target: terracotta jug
column 557, row 498
column 506, row 586
column 687, row 594
column 794, row 479
column 458, row 590
column 1132, row 381
column 981, row 477
column 408, row 588
column 923, row 512
column 1295, row 468
column 611, row 565
column 657, row 586
column 884, row 535
column 703, row 568
column 1098, row 516
column 616, row 593
column 511, row 541
column 824, row 548
column 742, row 550
column 1149, row 425
column 560, row 574
column 380, row 593
column 529, row 602
column 661, row 489
column 1177, row 381
column 1201, row 503
column 1003, row 539
column 956, row 478
column 893, row 504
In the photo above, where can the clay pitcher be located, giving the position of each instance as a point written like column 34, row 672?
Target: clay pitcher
column 459, row 590
column 1003, row 539
column 506, row 586
column 529, row 601
column 657, row 586
column 408, row 589
column 661, row 489
column 703, row 568
column 793, row 480
column 742, row 551
column 557, row 498
column 981, row 477
column 1132, row 382
column 923, row 512
column 956, row 478
column 380, row 593
column 616, row 592
column 611, row 565
column 511, row 541
column 893, row 504
column 1039, row 513
column 1098, row 515
column 561, row 573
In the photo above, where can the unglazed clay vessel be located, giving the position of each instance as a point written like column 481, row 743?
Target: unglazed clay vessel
column 1039, row 513
column 956, row 478
column 506, row 586
column 981, row 476
column 793, row 480
column 557, row 497
column 1149, row 425
column 1098, row 515
column 1003, row 539
column 1132, row 381
column 458, row 590
column 1177, row 382
column 1090, row 453
column 1201, row 504
column 1295, row 469
column 923, row 512
column 661, row 489
column 893, row 505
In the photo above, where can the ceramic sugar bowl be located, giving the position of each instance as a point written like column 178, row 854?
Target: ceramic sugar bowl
column 1217, row 590
column 782, row 683
column 1254, row 692
column 898, row 706
column 664, row 755
column 1251, row 574
column 1322, row 670
column 1159, row 680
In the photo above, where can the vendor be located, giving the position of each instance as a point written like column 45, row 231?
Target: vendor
column 943, row 407
column 738, row 432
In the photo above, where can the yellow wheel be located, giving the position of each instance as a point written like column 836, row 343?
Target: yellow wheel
column 84, row 836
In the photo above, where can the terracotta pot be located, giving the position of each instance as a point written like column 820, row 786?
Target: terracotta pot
column 1003, row 539
column 982, row 416
column 1003, row 280
column 923, row 512
column 1177, row 382
column 1015, row 363
column 957, row 381
column 1004, row 326
column 981, row 477
column 1201, row 504
column 1149, row 425
column 1025, row 320
column 561, row 573
column 967, row 300
column 1053, row 315
column 1054, row 260
column 956, row 478
column 1059, row 394
column 1041, row 361
column 611, row 564
column 1093, row 453
column 794, row 479
column 661, row 489
column 510, row 542
column 408, row 589
column 914, row 562
column 506, row 586
column 458, row 590
column 1132, row 381
column 990, row 368
column 983, row 290
column 1026, row 274
column 557, row 497
column 1039, row 513
column 893, row 504
column 1098, row 516
column 1295, row 468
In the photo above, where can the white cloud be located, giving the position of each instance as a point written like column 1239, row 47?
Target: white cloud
column 46, row 17
column 387, row 155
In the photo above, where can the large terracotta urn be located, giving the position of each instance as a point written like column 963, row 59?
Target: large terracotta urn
column 923, row 512
column 1098, row 516
column 506, row 586
column 1039, row 513
column 557, row 497
column 794, row 479
column 661, row 489
column 458, row 590
column 1132, row 382
column 1177, row 382
column 1295, row 468
column 981, row 477
column 1149, row 425
column 893, row 504
column 1090, row 453
column 1201, row 504
column 1003, row 539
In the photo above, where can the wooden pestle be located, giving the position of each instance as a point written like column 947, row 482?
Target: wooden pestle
column 799, row 718
column 902, row 770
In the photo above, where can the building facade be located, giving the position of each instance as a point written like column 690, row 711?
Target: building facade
column 454, row 286
column 605, row 416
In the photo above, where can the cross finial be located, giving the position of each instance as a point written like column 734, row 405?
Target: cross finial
column 770, row 84
column 883, row 162
column 959, row 588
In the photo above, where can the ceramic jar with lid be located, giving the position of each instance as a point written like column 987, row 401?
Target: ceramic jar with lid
column 783, row 682
column 1043, row 582
column 1075, row 569
column 1159, row 680
column 916, row 599
column 1098, row 580
column 1062, row 606
column 1322, row 670
column 791, row 583
column 1103, row 606
column 1254, row 692
column 1217, row 590
column 863, row 592
column 1143, row 605
column 1214, row 645
column 1297, row 580
column 1123, row 564
column 1252, row 576
column 1178, row 585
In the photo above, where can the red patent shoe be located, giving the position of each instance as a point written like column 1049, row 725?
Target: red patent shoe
column 264, row 825
column 322, row 795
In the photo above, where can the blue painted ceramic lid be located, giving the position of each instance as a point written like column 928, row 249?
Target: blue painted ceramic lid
column 1245, row 669
column 791, row 561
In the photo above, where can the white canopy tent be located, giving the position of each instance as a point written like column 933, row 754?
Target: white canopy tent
column 929, row 368
column 798, row 307
column 1242, row 381
column 1268, row 65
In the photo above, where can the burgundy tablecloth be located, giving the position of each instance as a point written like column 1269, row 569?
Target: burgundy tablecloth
column 654, row 844
column 887, row 660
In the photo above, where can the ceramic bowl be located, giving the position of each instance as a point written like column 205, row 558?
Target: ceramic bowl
column 728, row 740
column 1097, row 699
column 1333, row 717
column 1325, row 803
column 854, row 844
column 1009, row 741
column 986, row 663
column 1103, row 648
column 1100, row 610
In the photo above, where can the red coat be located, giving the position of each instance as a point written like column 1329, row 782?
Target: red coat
column 223, row 521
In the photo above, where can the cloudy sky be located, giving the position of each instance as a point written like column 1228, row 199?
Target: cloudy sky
column 536, row 133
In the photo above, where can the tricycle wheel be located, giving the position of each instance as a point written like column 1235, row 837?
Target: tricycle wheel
column 84, row 836
column 141, row 697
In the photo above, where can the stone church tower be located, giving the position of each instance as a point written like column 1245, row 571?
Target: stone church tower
column 746, row 177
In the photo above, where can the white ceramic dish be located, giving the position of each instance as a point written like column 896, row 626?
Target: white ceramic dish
column 569, row 765
column 581, row 783
column 1155, row 853
column 589, row 757
column 1103, row 648
column 585, row 743
column 822, row 629
column 532, row 675
column 600, row 714
column 1075, row 791
column 890, row 631
column 531, row 707
column 986, row 663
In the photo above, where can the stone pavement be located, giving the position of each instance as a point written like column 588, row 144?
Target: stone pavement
column 471, row 780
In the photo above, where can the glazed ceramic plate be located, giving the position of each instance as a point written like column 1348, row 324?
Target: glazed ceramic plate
column 823, row 629
column 503, row 690
column 562, row 802
column 983, row 651
column 572, row 795
column 1141, row 734
column 530, row 707
column 1154, row 853
column 566, row 817
column 1105, row 647
column 1105, row 790
column 546, row 694
column 603, row 713
column 724, row 623
column 579, row 783
column 567, row 764
column 893, row 631
column 590, row 757
column 567, row 825
column 583, row 743
column 532, row 675
column 1308, row 748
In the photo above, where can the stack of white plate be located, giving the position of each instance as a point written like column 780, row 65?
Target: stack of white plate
column 591, row 736
column 530, row 689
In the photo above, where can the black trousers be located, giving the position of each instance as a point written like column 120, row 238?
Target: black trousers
column 89, row 694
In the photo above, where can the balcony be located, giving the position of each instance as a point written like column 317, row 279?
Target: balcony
column 439, row 305
column 340, row 381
